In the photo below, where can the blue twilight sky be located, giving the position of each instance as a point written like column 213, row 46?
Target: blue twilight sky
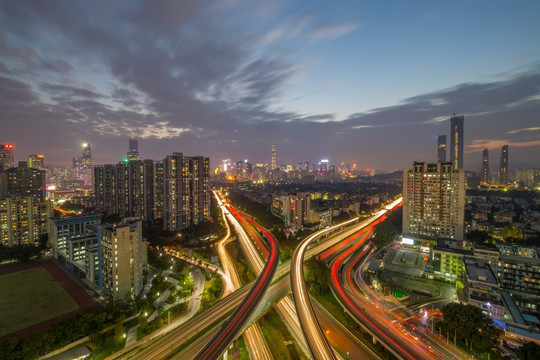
column 366, row 82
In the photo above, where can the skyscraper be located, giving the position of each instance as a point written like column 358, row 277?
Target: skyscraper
column 36, row 161
column 126, row 189
column 123, row 254
column 456, row 141
column 23, row 219
column 503, row 171
column 274, row 157
column 434, row 202
column 24, row 181
column 441, row 149
column 133, row 153
column 187, row 196
column 484, row 179
column 6, row 156
column 83, row 165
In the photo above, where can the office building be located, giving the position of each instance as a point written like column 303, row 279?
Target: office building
column 123, row 258
column 36, row 161
column 186, row 193
column 24, row 181
column 441, row 148
column 6, row 156
column 274, row 158
column 126, row 189
column 456, row 141
column 64, row 232
column 503, row 170
column 434, row 202
column 133, row 153
column 23, row 220
column 484, row 173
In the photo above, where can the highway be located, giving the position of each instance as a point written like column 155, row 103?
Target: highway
column 318, row 344
column 253, row 336
column 178, row 336
column 391, row 332
column 241, row 315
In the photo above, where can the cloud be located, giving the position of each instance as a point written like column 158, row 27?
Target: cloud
column 524, row 129
column 330, row 32
column 480, row 144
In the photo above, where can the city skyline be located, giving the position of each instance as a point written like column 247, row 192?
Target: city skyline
column 354, row 83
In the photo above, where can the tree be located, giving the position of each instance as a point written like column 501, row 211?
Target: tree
column 317, row 276
column 529, row 351
column 467, row 322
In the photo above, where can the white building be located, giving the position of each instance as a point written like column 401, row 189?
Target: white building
column 123, row 258
column 434, row 202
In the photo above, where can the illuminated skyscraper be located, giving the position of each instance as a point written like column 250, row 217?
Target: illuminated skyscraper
column 274, row 157
column 441, row 149
column 6, row 156
column 123, row 258
column 24, row 181
column 503, row 171
column 83, row 165
column 126, row 189
column 187, row 196
column 133, row 153
column 456, row 141
column 36, row 161
column 434, row 202
column 484, row 179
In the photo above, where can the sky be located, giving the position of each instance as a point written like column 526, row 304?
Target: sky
column 365, row 82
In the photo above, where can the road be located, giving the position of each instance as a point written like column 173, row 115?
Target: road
column 241, row 315
column 177, row 336
column 254, row 338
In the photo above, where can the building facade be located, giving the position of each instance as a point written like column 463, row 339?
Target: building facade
column 503, row 170
column 24, row 181
column 186, row 193
column 122, row 258
column 6, row 156
column 456, row 141
column 126, row 189
column 441, row 148
column 434, row 202
column 484, row 173
column 23, row 220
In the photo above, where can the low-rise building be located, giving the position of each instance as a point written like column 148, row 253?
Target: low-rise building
column 483, row 289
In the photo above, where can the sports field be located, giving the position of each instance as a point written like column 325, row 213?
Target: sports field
column 30, row 297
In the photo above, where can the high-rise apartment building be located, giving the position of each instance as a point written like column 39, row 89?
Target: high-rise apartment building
column 126, row 189
column 503, row 170
column 187, row 197
column 434, row 202
column 456, row 141
column 441, row 148
column 133, row 153
column 23, row 219
column 484, row 176
column 274, row 158
column 24, row 181
column 83, row 165
column 6, row 156
column 122, row 258
column 36, row 161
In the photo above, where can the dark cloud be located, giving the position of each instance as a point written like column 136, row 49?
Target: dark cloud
column 194, row 77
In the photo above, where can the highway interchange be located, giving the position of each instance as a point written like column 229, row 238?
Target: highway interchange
column 207, row 335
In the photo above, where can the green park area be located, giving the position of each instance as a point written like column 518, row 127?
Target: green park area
column 30, row 297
